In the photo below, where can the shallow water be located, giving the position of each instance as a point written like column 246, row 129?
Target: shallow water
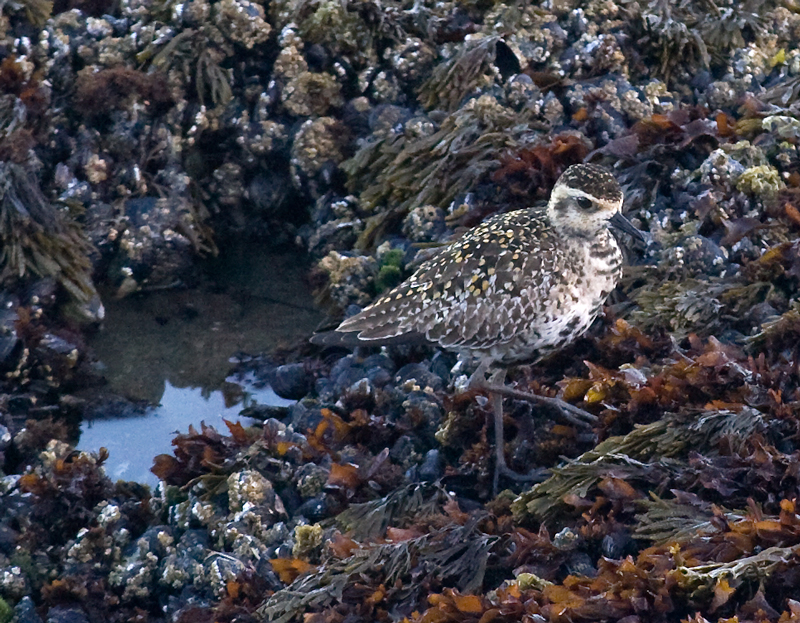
column 173, row 349
column 132, row 442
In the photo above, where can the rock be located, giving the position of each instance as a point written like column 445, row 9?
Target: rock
column 421, row 375
column 700, row 255
column 314, row 509
column 615, row 545
column 360, row 395
column 433, row 466
column 264, row 412
column 25, row 611
column 290, row 381
column 581, row 564
column 66, row 614
column 304, row 418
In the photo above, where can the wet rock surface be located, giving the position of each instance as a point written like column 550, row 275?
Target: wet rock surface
column 138, row 137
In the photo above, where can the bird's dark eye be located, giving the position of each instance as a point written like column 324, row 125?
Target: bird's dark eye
column 584, row 203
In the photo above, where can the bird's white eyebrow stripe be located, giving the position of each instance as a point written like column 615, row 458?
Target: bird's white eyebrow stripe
column 561, row 191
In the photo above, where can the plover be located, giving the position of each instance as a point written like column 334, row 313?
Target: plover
column 515, row 288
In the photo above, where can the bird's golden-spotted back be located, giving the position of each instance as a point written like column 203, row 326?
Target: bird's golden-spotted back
column 463, row 296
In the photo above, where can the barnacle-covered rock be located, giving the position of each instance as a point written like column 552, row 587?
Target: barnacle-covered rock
column 411, row 59
column 243, row 22
column 350, row 278
column 290, row 62
column 337, row 225
column 696, row 255
column 721, row 170
column 311, row 93
column 761, row 181
column 157, row 241
column 721, row 94
column 339, row 30
column 311, row 479
column 317, row 150
column 424, row 224
column 250, row 490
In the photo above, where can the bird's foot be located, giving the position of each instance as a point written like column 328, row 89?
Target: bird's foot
column 504, row 471
column 574, row 415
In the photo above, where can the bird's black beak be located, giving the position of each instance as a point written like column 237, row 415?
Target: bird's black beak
column 620, row 222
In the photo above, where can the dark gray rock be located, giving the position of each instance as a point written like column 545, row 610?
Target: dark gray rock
column 25, row 611
column 291, row 381
column 63, row 614
column 421, row 374
column 433, row 466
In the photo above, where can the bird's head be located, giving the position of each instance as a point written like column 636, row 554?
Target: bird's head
column 586, row 200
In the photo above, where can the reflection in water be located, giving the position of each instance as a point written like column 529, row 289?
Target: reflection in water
column 253, row 301
column 173, row 349
column 133, row 442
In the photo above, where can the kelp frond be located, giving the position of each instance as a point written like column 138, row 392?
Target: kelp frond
column 453, row 80
column 671, row 520
column 370, row 519
column 641, row 454
column 38, row 240
column 455, row 555
column 434, row 169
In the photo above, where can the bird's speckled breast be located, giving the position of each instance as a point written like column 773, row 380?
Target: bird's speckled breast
column 585, row 273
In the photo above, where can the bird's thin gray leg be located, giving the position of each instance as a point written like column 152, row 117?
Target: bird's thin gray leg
column 478, row 382
column 498, row 378
column 477, row 379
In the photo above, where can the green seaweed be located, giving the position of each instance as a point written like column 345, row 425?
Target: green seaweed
column 6, row 611
column 668, row 521
column 390, row 270
column 193, row 53
column 757, row 568
column 683, row 307
column 692, row 32
column 212, row 79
